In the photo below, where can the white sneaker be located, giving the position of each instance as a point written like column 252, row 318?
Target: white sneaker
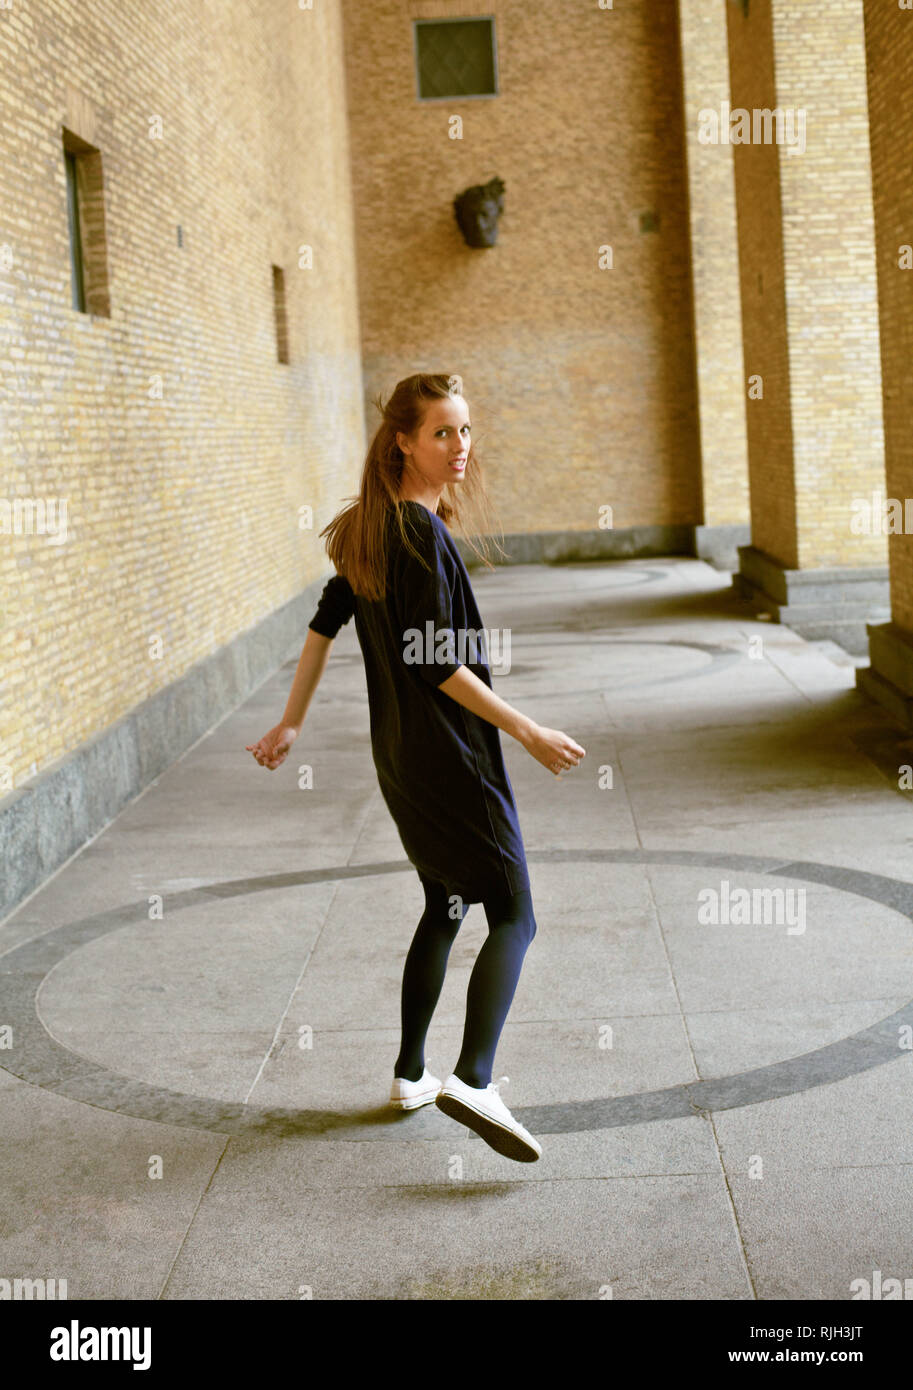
column 409, row 1095
column 483, row 1111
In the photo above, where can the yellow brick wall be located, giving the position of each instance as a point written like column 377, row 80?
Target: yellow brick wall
column 829, row 243
column 580, row 381
column 284, row 127
column 715, row 268
column 889, row 43
column 808, row 283
column 763, row 291
column 183, row 512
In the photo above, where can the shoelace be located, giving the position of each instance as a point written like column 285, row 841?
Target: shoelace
column 496, row 1085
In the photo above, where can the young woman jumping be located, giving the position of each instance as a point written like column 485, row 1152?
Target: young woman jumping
column 434, row 735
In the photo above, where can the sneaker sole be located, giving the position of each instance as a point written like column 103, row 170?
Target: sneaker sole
column 503, row 1141
column 416, row 1104
column 427, row 1098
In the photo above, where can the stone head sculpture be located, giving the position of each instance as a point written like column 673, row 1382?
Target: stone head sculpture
column 477, row 211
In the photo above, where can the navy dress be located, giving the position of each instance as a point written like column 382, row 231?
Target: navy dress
column 440, row 768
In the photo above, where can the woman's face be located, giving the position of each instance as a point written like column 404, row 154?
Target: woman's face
column 437, row 453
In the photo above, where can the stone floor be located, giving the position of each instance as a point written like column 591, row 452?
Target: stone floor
column 202, row 1007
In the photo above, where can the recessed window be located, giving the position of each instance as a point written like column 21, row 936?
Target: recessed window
column 455, row 58
column 86, row 224
column 76, row 277
column 280, row 313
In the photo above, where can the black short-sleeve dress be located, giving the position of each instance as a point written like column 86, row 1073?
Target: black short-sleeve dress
column 440, row 767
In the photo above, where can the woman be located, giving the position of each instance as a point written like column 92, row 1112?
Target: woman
column 434, row 735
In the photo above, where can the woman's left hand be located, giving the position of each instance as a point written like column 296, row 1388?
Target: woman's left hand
column 272, row 749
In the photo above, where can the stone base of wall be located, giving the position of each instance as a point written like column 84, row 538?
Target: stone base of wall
column 719, row 545
column 889, row 678
column 837, row 604
column 45, row 822
column 559, row 547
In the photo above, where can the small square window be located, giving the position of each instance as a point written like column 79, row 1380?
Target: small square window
column 455, row 58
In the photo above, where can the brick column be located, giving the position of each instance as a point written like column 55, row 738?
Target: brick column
column 715, row 272
column 889, row 56
column 809, row 314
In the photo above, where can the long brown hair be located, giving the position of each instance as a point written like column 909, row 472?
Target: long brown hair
column 357, row 535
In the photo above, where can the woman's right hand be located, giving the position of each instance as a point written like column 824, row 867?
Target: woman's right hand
column 272, row 749
column 553, row 749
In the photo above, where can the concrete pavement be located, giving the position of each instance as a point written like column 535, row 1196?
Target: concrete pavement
column 202, row 1007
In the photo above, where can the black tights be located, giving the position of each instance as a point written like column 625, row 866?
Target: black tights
column 492, row 985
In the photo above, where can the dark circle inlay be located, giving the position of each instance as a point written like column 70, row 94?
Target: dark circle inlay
column 40, row 1059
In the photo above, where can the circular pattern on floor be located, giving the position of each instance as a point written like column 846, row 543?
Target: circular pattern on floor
column 40, row 1059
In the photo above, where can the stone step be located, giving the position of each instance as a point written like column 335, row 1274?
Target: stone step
column 851, row 635
column 817, row 601
column 898, row 705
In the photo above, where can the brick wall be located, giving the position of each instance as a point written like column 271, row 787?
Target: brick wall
column 184, row 449
column 183, row 508
column 581, row 381
column 889, row 44
column 806, row 244
column 715, row 268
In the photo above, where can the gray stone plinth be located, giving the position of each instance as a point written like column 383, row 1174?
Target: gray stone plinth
column 889, row 678
column 559, row 547
column 719, row 545
column 835, row 604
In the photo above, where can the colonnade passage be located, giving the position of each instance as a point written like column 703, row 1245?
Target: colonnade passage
column 802, row 226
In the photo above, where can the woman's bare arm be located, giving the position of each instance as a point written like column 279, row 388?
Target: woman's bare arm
column 272, row 749
column 550, row 747
column 311, row 665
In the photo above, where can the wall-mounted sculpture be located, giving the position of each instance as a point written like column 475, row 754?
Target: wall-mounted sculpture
column 477, row 211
